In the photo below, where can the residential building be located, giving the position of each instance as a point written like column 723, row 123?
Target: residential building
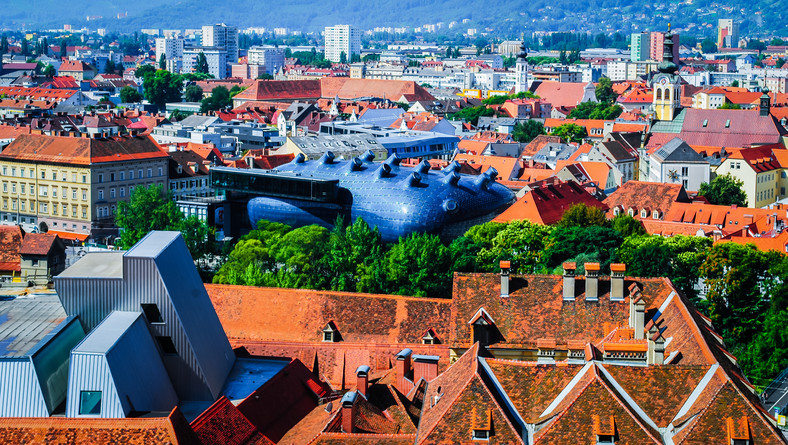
column 657, row 46
column 546, row 205
column 222, row 36
column 43, row 257
column 342, row 39
column 273, row 59
column 727, row 33
column 676, row 162
column 639, row 46
column 216, row 57
column 172, row 50
column 74, row 184
column 762, row 171
column 77, row 69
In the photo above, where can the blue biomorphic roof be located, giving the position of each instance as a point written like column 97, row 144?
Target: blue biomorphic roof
column 398, row 200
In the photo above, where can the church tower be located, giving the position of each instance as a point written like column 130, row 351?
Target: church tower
column 521, row 68
column 666, row 84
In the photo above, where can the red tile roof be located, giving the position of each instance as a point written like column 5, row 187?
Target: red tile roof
column 547, row 205
column 37, row 244
column 11, row 240
column 652, row 195
column 81, row 151
column 330, row 87
column 223, row 423
column 561, row 94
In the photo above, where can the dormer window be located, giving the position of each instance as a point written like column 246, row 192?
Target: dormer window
column 481, row 325
column 655, row 215
column 605, row 429
column 644, row 213
column 330, row 332
column 429, row 338
column 631, row 212
column 616, row 211
column 738, row 431
column 481, row 424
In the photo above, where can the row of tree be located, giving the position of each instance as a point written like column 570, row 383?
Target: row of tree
column 744, row 291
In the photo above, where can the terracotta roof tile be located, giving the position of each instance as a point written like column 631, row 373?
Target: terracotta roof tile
column 81, row 151
column 223, row 423
column 640, row 194
column 37, row 244
column 11, row 240
column 546, row 205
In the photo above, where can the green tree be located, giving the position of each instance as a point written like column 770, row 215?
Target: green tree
column 708, row 46
column 419, row 265
column 581, row 244
column 219, row 99
column 63, row 49
column 581, row 215
column 627, row 226
column 735, row 83
column 300, row 253
column 527, row 131
column 192, row 93
column 49, row 71
column 342, row 57
column 604, row 91
column 201, row 65
column 110, row 67
column 144, row 71
column 354, row 258
column 149, row 208
column 162, row 87
column 265, row 76
column 472, row 114
column 724, row 190
column 130, row 95
column 163, row 62
column 521, row 242
column 570, row 132
column 596, row 110
column 4, row 45
column 729, row 106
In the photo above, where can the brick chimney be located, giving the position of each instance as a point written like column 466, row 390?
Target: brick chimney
column 362, row 379
column 505, row 266
column 617, row 272
column 425, row 367
column 637, row 311
column 656, row 346
column 348, row 400
column 402, row 370
column 592, row 281
column 569, row 281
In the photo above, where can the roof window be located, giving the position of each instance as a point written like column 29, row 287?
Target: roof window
column 705, row 123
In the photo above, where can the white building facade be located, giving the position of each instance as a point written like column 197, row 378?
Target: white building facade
column 342, row 38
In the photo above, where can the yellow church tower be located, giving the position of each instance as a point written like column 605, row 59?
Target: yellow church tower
column 666, row 84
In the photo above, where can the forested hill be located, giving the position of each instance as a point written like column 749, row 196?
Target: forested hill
column 505, row 17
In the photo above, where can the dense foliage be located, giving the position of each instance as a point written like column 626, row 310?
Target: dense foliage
column 596, row 110
column 744, row 291
column 724, row 190
column 570, row 132
column 527, row 131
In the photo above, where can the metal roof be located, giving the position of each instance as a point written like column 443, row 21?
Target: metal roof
column 248, row 375
column 106, row 334
column 96, row 265
column 24, row 322
column 155, row 242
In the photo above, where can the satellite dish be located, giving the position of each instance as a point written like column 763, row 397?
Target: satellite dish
column 329, row 407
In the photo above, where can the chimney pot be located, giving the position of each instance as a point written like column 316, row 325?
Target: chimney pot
column 402, row 371
column 617, row 271
column 362, row 382
column 637, row 312
column 348, row 400
column 592, row 281
column 505, row 266
column 569, row 281
column 425, row 367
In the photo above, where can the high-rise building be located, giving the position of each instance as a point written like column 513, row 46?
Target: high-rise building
column 218, row 65
column 639, row 46
column 342, row 38
column 225, row 38
column 657, row 46
column 727, row 34
column 172, row 49
column 272, row 58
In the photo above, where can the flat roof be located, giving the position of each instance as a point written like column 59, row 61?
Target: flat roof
column 25, row 321
column 96, row 265
column 152, row 244
column 249, row 374
column 108, row 332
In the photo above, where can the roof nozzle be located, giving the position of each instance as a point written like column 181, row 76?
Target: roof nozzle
column 327, row 158
column 369, row 156
column 393, row 160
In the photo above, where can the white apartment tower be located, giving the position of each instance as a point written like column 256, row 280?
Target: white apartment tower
column 172, row 49
column 342, row 38
column 222, row 36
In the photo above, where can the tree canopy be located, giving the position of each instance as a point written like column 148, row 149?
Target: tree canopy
column 162, row 87
column 596, row 110
column 724, row 190
column 570, row 132
column 201, row 66
column 604, row 91
column 192, row 93
column 527, row 131
column 219, row 99
column 130, row 95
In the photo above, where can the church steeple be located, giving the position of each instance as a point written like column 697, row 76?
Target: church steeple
column 667, row 65
column 521, row 70
column 666, row 84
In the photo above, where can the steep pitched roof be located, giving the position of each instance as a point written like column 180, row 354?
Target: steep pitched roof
column 546, row 205
column 537, row 144
column 729, row 128
column 223, row 423
column 11, row 240
column 652, row 195
column 561, row 94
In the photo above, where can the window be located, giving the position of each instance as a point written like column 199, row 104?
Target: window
column 160, row 171
column 22, row 206
column 73, row 177
column 122, row 192
column 43, row 207
column 166, row 345
column 139, row 174
column 54, row 192
column 667, row 94
column 35, row 263
column 74, row 212
column 32, row 189
column 54, row 175
column 65, row 209
column 112, row 193
column 684, row 171
column 43, row 190
column 84, row 214
column 330, row 332
column 84, row 195
column 655, row 215
column 150, row 173
column 5, row 187
column 13, row 187
column 131, row 174
column 89, row 403
column 644, row 213
column 84, row 179
column 152, row 313
column 481, row 435
column 63, row 177
column 122, row 176
column 429, row 338
column 616, row 211
column 5, row 171
column 112, row 177
column 101, row 177
column 73, row 193
column 101, row 194
column 605, row 439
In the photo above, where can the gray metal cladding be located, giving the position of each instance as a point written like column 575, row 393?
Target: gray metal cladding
column 90, row 372
column 20, row 393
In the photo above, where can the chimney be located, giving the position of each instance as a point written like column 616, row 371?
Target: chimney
column 425, row 367
column 569, row 281
column 402, row 369
column 249, row 161
column 348, row 400
column 617, row 271
column 362, row 379
column 637, row 311
column 592, row 281
column 505, row 266
column 656, row 347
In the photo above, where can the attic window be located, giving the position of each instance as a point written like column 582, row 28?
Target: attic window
column 429, row 338
column 604, row 429
column 655, row 215
column 728, row 123
column 644, row 213
column 705, row 123
column 616, row 211
column 330, row 332
column 631, row 212
column 481, row 423
column 152, row 313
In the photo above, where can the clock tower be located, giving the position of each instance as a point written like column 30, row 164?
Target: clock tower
column 666, row 85
column 521, row 70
